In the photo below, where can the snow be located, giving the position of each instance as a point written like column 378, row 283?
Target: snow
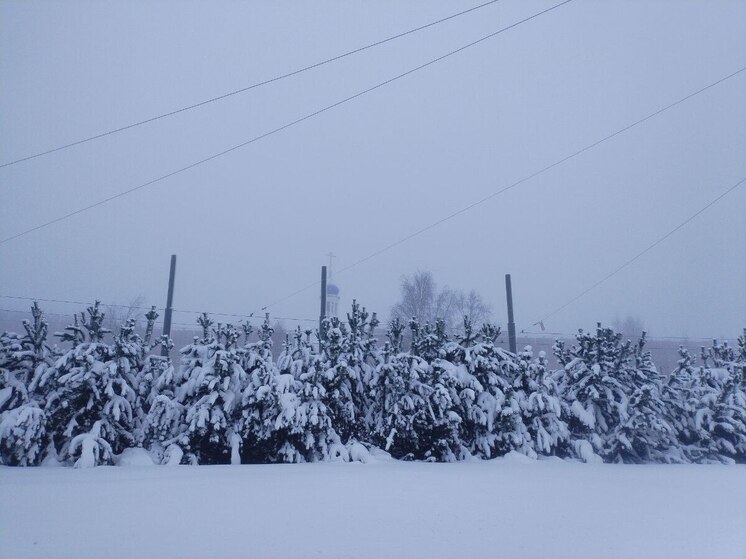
column 584, row 449
column 134, row 457
column 509, row 507
column 173, row 455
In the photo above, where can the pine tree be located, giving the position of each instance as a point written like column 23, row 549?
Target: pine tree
column 212, row 380
column 541, row 406
column 130, row 353
column 596, row 385
column 489, row 406
column 24, row 360
column 258, row 399
column 681, row 398
column 428, row 341
column 23, row 435
column 13, row 390
column 91, row 405
column 303, row 430
column 441, row 438
column 346, row 356
column 165, row 419
column 720, row 418
column 399, row 413
column 645, row 436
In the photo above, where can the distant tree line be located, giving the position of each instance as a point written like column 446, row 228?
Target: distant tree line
column 337, row 393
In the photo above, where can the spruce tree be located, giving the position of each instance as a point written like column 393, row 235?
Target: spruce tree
column 346, row 356
column 441, row 439
column 91, row 406
column 721, row 416
column 595, row 383
column 541, row 406
column 303, row 430
column 258, row 399
column 23, row 434
column 13, row 391
column 646, row 435
column 490, row 410
column 212, row 381
column 680, row 396
column 399, row 413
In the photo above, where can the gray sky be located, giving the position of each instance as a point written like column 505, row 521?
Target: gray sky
column 253, row 226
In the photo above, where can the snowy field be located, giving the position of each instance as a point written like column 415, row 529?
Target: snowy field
column 511, row 507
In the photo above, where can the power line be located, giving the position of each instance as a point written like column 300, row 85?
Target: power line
column 527, row 334
column 513, row 185
column 67, row 316
column 644, row 251
column 382, row 334
column 147, row 308
column 281, row 128
column 249, row 87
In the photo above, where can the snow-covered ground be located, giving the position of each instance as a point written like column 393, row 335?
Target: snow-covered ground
column 511, row 507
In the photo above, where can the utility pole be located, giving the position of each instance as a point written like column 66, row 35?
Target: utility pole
column 323, row 300
column 511, row 323
column 169, row 304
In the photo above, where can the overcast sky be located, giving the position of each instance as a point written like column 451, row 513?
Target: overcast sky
column 253, row 226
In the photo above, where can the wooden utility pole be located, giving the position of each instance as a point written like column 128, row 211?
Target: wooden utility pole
column 322, row 314
column 511, row 323
column 169, row 304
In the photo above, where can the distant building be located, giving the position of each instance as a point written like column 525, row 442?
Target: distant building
column 332, row 292
column 332, row 299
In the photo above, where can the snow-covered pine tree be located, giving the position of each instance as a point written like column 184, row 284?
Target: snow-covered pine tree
column 646, row 435
column 286, row 387
column 13, row 390
column 23, row 436
column 595, row 383
column 721, row 415
column 91, row 407
column 497, row 370
column 165, row 426
column 680, row 396
column 399, row 399
column 258, row 400
column 541, row 406
column 212, row 380
column 346, row 357
column 491, row 423
column 159, row 415
column 440, row 439
column 147, row 374
column 23, row 361
column 130, row 353
column 38, row 357
column 428, row 341
column 303, row 430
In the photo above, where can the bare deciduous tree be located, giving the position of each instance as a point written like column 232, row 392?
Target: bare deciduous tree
column 474, row 306
column 630, row 327
column 421, row 299
column 117, row 315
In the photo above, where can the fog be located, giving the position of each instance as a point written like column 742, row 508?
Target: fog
column 254, row 226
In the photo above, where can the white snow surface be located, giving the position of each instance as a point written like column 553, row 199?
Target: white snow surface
column 511, row 507
column 134, row 457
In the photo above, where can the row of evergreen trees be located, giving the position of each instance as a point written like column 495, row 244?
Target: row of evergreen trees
column 332, row 394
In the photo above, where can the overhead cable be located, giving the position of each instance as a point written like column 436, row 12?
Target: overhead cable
column 249, row 87
column 642, row 252
column 512, row 185
column 276, row 130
